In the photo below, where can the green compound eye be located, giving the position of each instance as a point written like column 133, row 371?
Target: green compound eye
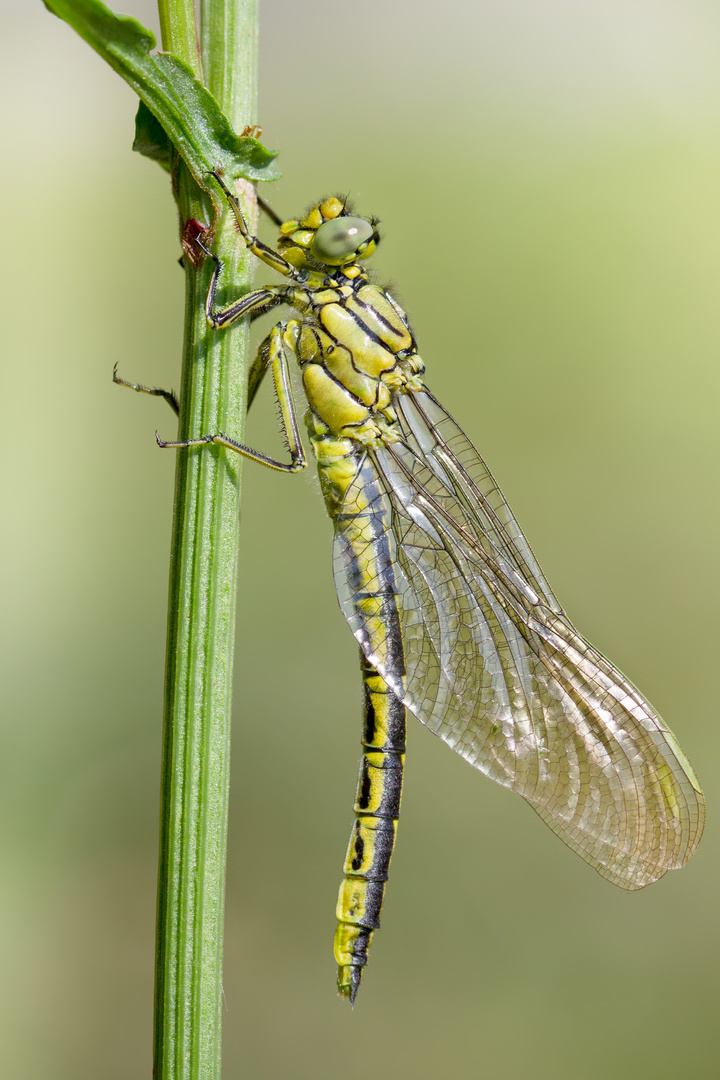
column 336, row 240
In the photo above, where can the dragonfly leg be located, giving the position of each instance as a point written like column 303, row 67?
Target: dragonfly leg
column 279, row 342
column 262, row 251
column 268, row 210
column 156, row 391
column 253, row 304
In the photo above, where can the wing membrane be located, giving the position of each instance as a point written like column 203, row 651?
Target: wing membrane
column 495, row 669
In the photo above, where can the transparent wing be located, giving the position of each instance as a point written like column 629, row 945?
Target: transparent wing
column 491, row 663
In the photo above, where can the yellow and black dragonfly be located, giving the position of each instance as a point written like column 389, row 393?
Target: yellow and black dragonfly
column 453, row 615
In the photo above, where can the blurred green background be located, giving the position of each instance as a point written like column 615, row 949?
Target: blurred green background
column 548, row 178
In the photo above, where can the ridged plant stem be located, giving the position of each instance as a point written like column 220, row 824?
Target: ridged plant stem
column 203, row 589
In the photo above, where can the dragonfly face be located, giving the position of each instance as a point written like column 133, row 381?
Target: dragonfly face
column 327, row 237
column 453, row 615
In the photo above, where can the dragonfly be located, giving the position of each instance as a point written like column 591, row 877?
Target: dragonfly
column 455, row 620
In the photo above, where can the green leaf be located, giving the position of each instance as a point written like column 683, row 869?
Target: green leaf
column 185, row 110
column 151, row 138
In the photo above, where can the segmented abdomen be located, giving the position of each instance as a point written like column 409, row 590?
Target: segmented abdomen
column 377, row 806
column 362, row 532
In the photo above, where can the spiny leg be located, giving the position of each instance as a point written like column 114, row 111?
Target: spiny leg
column 255, row 378
column 270, row 212
column 253, row 304
column 281, row 340
column 263, row 252
column 258, row 370
column 155, row 391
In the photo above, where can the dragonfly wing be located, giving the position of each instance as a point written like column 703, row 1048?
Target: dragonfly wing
column 493, row 666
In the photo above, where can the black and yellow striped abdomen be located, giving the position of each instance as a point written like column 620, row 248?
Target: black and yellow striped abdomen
column 377, row 803
column 377, row 807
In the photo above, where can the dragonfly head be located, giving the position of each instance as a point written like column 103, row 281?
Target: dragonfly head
column 328, row 236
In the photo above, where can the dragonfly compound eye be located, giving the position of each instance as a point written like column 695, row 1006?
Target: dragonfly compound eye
column 335, row 241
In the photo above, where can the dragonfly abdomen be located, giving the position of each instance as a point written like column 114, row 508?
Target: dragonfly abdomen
column 377, row 803
column 377, row 807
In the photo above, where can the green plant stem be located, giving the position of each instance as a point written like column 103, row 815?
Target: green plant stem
column 230, row 73
column 201, row 621
column 179, row 32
